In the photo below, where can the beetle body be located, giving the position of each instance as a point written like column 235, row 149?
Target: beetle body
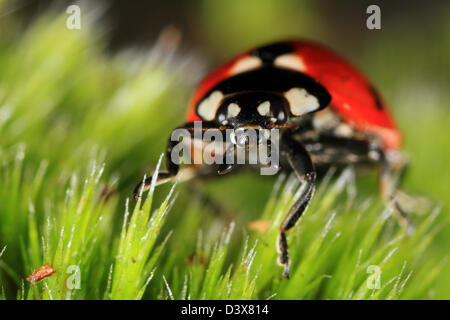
column 327, row 111
column 354, row 100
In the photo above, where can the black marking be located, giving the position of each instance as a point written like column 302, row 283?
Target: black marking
column 249, row 101
column 376, row 97
column 272, row 79
column 270, row 52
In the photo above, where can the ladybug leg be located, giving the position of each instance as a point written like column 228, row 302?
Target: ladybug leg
column 351, row 150
column 300, row 161
column 173, row 169
column 225, row 167
column 392, row 165
column 171, row 173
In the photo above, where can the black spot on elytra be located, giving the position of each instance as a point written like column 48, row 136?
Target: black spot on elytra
column 376, row 97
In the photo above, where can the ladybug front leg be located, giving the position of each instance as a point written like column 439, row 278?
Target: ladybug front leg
column 171, row 173
column 300, row 161
column 171, row 167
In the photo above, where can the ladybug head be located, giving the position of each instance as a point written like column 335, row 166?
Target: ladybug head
column 258, row 109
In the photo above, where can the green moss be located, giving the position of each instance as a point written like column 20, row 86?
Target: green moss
column 77, row 128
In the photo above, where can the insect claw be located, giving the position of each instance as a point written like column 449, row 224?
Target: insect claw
column 140, row 188
column 225, row 168
column 286, row 271
column 136, row 192
column 285, row 263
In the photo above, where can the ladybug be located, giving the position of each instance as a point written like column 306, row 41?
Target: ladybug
column 327, row 111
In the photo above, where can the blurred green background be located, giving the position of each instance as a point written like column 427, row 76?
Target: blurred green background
column 408, row 60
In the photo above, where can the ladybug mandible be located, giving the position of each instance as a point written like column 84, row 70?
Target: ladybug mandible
column 328, row 114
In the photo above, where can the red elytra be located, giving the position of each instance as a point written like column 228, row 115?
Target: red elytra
column 353, row 97
column 208, row 83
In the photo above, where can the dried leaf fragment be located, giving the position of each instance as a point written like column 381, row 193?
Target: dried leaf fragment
column 41, row 273
column 259, row 225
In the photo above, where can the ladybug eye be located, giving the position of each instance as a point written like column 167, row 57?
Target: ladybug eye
column 233, row 110
column 264, row 108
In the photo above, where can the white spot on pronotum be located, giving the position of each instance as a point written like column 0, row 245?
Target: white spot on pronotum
column 246, row 64
column 208, row 107
column 264, row 108
column 233, row 110
column 74, row 19
column 290, row 61
column 301, row 101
